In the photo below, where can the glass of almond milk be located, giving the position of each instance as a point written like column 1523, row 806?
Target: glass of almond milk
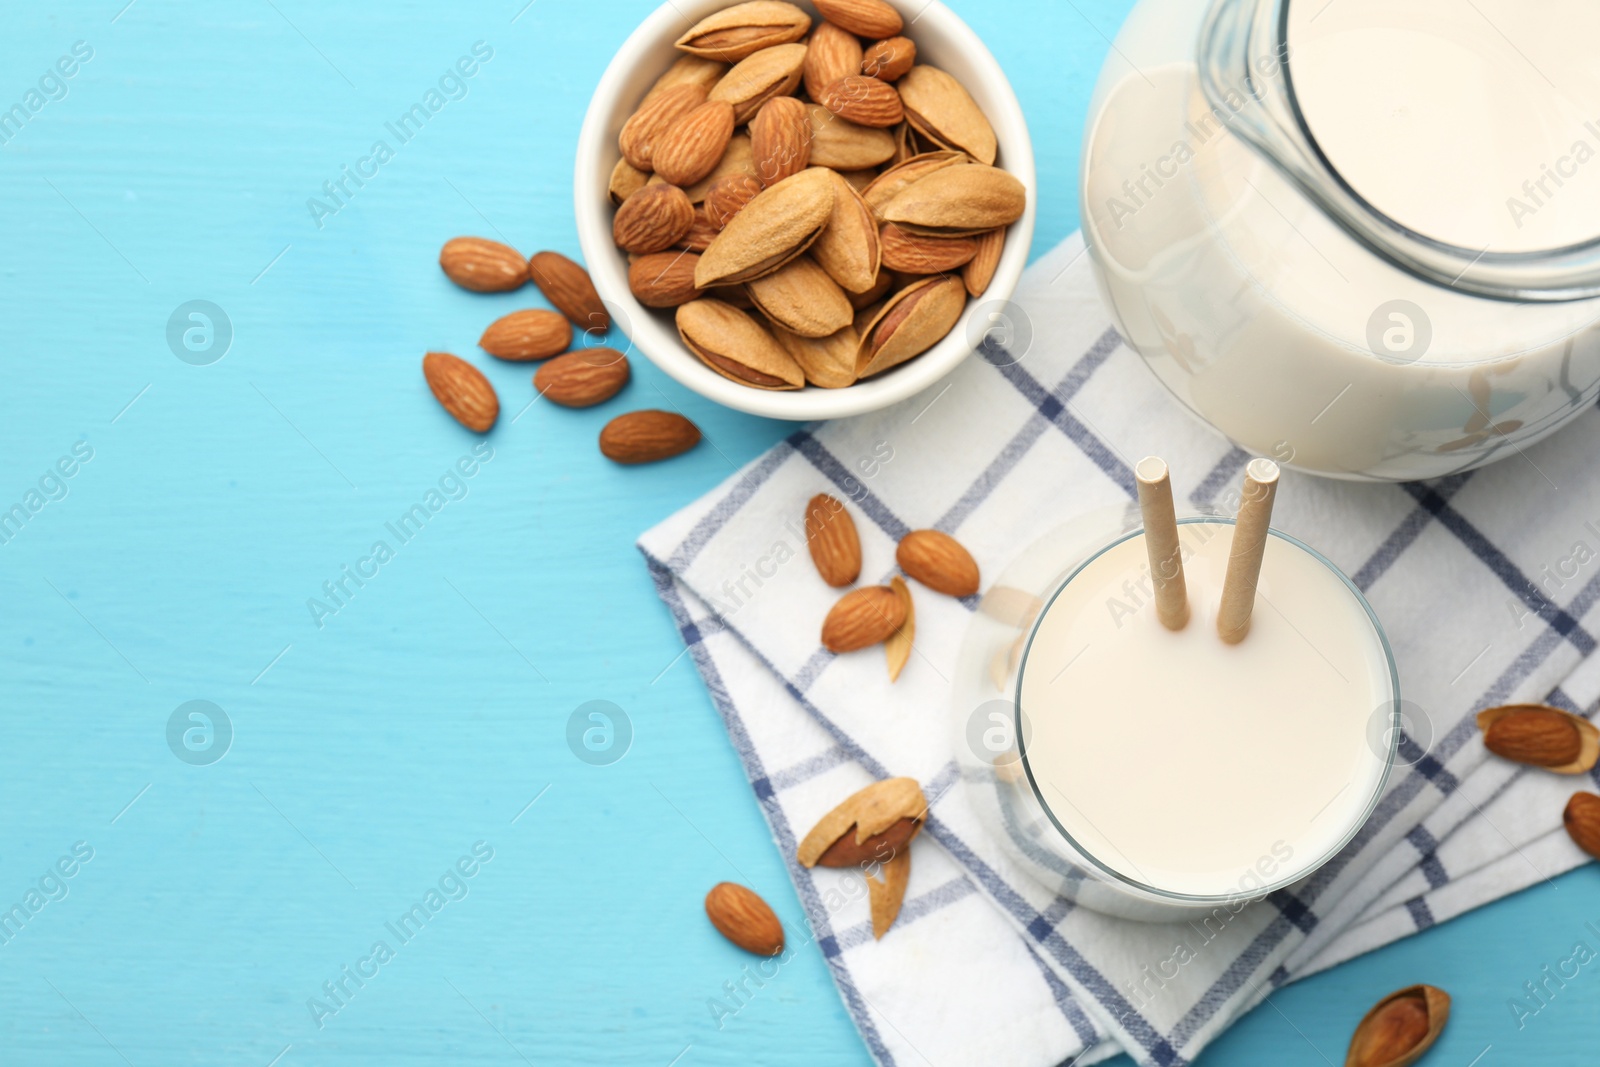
column 1360, row 237
column 1152, row 773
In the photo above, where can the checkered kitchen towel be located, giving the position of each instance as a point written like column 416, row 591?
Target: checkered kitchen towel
column 1483, row 606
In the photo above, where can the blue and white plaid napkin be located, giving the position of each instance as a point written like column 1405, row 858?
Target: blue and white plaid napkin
column 1488, row 585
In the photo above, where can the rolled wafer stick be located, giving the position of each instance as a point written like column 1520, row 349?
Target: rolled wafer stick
column 1249, row 546
column 1161, row 541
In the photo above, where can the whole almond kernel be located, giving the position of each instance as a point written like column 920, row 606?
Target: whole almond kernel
column 864, row 18
column 664, row 279
column 653, row 219
column 462, row 390
column 831, row 54
column 482, row 265
column 1399, row 1028
column 640, row 133
column 862, row 618
column 742, row 917
column 780, row 139
column 1540, row 736
column 568, row 286
column 918, row 254
column 1582, row 820
column 879, row 848
column 728, row 196
column 737, row 32
column 889, row 60
column 866, row 819
column 647, row 437
column 864, row 101
column 583, row 378
column 527, row 335
column 701, row 233
column 832, row 538
column 938, row 561
column 692, row 146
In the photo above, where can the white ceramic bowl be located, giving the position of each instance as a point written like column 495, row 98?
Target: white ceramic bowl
column 944, row 41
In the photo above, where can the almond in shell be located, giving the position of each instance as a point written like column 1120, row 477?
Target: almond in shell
column 1541, row 736
column 527, row 335
column 897, row 179
column 832, row 540
column 647, row 437
column 736, row 346
column 583, row 378
column 862, row 618
column 827, row 362
column 692, row 146
column 1399, row 1028
column 939, row 562
column 653, row 219
column 849, row 247
column 979, row 272
column 843, row 145
column 752, row 82
column 688, row 70
column 664, row 279
column 959, row 202
column 831, row 54
column 626, row 179
column 734, row 33
column 482, row 265
column 569, row 288
column 872, row 825
column 745, row 919
column 940, row 108
column 913, row 321
column 462, row 390
column 774, row 229
column 802, row 299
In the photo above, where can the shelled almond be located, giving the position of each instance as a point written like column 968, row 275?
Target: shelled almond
column 840, row 232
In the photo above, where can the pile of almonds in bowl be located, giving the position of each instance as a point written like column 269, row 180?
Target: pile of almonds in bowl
column 813, row 204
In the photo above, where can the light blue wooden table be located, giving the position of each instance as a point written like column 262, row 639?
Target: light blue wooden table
column 415, row 740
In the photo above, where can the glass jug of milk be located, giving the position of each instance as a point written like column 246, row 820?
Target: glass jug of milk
column 1359, row 237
